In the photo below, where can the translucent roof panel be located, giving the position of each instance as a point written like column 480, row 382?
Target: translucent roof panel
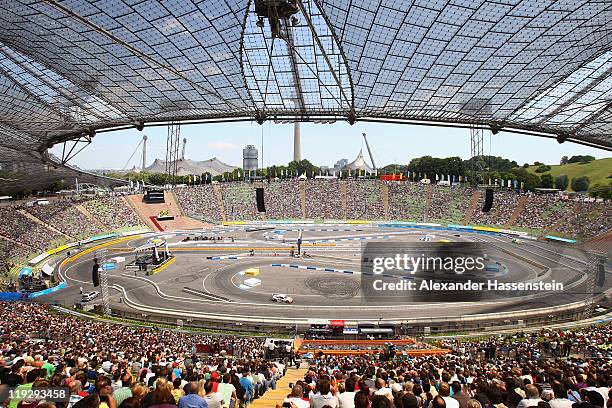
column 69, row 67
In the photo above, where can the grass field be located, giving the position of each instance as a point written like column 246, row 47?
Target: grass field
column 597, row 171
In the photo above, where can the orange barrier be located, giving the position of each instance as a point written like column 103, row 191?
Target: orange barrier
column 360, row 342
column 411, row 353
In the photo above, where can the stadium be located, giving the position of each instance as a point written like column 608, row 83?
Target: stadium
column 443, row 282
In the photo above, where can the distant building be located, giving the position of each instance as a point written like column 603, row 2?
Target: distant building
column 340, row 164
column 249, row 158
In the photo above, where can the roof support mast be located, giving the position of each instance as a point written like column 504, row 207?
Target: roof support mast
column 370, row 153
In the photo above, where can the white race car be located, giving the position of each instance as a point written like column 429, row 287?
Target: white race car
column 280, row 298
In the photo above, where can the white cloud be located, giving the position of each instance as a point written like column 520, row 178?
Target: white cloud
column 222, row 146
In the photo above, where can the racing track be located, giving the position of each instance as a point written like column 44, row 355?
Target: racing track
column 214, row 289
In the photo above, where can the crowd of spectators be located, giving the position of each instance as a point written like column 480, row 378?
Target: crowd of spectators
column 66, row 217
column 28, row 229
column 283, row 200
column 541, row 211
column 24, row 230
column 199, row 202
column 504, row 204
column 364, row 199
column 540, row 370
column 323, row 199
column 113, row 212
column 407, row 201
column 239, row 201
column 585, row 219
column 112, row 365
column 448, row 204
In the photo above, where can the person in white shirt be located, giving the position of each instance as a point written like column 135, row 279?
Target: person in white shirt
column 324, row 396
column 382, row 389
column 560, row 393
column 213, row 399
column 296, row 397
column 346, row 397
column 444, row 392
column 532, row 397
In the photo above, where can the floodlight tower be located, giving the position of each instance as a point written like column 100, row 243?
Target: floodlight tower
column 172, row 150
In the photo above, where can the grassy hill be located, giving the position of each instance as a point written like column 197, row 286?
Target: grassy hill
column 597, row 171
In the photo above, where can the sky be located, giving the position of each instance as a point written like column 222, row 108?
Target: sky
column 322, row 144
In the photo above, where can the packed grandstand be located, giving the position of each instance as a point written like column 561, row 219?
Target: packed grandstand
column 101, row 364
column 30, row 228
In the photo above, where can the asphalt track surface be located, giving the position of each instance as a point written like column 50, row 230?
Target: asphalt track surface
column 195, row 285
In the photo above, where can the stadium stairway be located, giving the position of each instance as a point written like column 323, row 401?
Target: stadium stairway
column 473, row 207
column 273, row 397
column 303, row 198
column 90, row 216
column 145, row 211
column 385, row 200
column 219, row 196
column 520, row 206
column 601, row 243
column 428, row 198
column 343, row 198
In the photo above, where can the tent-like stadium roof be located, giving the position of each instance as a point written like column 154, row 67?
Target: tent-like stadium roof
column 73, row 67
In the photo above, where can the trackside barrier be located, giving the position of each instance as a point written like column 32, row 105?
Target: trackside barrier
column 135, row 232
column 65, row 247
column 48, row 291
column 457, row 228
column 15, row 296
column 10, row 296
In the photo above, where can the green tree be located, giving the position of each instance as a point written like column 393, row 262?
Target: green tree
column 601, row 191
column 546, row 181
column 562, row 182
column 580, row 183
column 542, row 168
column 583, row 159
column 530, row 180
column 564, row 160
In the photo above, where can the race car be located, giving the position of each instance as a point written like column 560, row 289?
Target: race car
column 280, row 298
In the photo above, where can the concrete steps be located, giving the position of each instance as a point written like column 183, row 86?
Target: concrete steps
column 385, row 200
column 273, row 397
column 472, row 208
column 220, row 202
column 520, row 206
column 343, row 199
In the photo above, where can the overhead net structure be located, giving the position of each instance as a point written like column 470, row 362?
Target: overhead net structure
column 72, row 69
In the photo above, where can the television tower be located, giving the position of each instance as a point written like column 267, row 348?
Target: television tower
column 144, row 151
column 297, row 148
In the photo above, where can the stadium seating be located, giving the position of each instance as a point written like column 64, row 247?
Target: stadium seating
column 113, row 212
column 407, row 201
column 364, row 200
column 64, row 216
column 199, row 202
column 323, row 199
column 141, row 367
